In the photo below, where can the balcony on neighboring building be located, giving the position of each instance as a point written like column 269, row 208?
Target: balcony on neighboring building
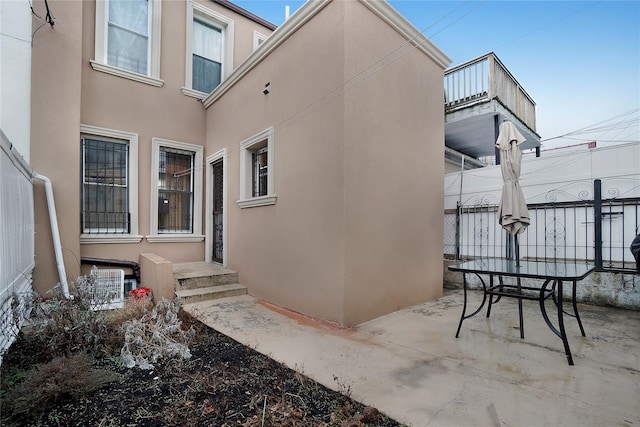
column 479, row 95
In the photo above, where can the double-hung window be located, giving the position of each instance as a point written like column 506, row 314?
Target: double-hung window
column 257, row 181
column 207, row 56
column 176, row 191
column 128, row 35
column 109, row 185
column 127, row 39
column 209, row 49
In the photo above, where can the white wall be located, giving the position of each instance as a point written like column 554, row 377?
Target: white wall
column 15, row 73
column 560, row 175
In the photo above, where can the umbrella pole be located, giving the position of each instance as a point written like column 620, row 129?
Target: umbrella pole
column 517, row 249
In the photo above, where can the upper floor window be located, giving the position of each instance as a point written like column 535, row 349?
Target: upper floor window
column 109, row 185
column 209, row 49
column 258, row 39
column 127, row 39
column 207, row 56
column 128, row 35
column 177, row 186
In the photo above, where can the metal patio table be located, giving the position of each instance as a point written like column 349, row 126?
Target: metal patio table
column 554, row 275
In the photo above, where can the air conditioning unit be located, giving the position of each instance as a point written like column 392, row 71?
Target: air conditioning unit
column 109, row 291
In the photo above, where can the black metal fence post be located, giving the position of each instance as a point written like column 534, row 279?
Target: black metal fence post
column 458, row 215
column 597, row 222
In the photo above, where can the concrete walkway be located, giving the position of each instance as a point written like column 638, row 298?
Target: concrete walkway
column 410, row 366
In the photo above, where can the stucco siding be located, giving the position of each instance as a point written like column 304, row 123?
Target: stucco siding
column 290, row 253
column 68, row 92
column 55, row 120
column 358, row 170
column 394, row 146
column 118, row 103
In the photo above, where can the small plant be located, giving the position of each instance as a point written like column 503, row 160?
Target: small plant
column 155, row 335
column 62, row 379
column 343, row 387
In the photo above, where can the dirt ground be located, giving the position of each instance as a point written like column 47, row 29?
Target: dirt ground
column 223, row 383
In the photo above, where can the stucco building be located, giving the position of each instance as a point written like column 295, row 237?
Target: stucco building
column 308, row 158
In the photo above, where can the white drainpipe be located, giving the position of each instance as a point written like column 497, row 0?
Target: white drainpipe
column 55, row 232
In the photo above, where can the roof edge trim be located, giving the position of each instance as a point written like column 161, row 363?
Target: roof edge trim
column 255, row 18
column 282, row 33
column 398, row 22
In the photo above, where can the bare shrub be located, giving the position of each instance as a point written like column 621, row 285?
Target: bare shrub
column 62, row 379
column 156, row 334
column 61, row 326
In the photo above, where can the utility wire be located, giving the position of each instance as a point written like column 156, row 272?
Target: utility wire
column 544, row 27
column 596, row 127
column 358, row 78
column 48, row 19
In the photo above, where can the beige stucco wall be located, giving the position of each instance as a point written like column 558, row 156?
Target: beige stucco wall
column 357, row 228
column 290, row 253
column 394, row 146
column 55, row 120
column 68, row 92
column 114, row 102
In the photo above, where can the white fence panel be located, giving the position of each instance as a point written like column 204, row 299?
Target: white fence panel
column 16, row 238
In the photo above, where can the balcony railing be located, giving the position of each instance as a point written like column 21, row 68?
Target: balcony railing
column 483, row 79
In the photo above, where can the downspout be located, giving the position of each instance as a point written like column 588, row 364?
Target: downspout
column 55, row 232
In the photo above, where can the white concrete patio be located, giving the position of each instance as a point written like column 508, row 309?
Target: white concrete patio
column 410, row 366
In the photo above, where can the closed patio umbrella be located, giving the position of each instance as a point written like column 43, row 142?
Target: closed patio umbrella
column 513, row 214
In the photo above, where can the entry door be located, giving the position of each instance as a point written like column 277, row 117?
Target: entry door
column 217, row 198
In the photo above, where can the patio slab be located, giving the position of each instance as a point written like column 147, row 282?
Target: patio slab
column 410, row 366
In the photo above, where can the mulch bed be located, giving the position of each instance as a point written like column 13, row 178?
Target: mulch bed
column 224, row 383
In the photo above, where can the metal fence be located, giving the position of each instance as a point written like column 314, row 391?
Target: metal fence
column 599, row 231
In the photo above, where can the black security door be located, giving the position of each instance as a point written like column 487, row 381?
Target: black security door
column 217, row 211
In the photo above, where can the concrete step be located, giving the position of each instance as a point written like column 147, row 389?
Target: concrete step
column 194, row 275
column 209, row 293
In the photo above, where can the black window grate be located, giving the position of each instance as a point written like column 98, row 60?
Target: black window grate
column 260, row 172
column 175, row 191
column 105, row 187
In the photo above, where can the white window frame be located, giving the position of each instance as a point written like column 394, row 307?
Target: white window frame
column 247, row 147
column 215, row 19
column 258, row 39
column 132, row 138
column 100, row 61
column 196, row 235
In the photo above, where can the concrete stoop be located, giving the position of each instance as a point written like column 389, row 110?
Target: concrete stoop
column 202, row 281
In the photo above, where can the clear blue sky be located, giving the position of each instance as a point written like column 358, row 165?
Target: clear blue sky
column 578, row 60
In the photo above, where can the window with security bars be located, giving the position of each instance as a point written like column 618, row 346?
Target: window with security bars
column 257, row 182
column 175, row 190
column 260, row 172
column 105, row 186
